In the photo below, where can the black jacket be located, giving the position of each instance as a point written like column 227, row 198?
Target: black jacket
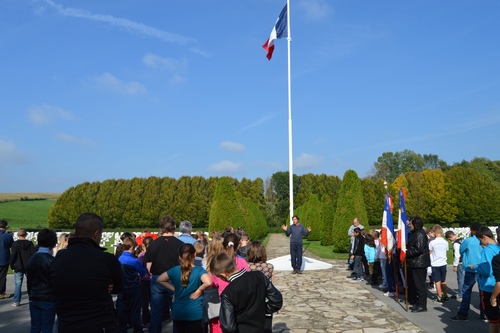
column 81, row 276
column 245, row 302
column 22, row 250
column 38, row 274
column 358, row 248
column 417, row 250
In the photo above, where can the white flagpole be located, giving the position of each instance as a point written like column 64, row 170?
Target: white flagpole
column 290, row 158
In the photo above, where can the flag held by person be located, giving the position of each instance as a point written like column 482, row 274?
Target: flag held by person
column 387, row 231
column 402, row 230
column 279, row 31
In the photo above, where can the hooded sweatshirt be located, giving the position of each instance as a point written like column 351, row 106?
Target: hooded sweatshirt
column 22, row 250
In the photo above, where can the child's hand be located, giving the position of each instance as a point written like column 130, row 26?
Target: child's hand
column 196, row 294
column 493, row 301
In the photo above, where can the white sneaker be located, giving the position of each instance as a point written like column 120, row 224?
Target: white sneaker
column 390, row 294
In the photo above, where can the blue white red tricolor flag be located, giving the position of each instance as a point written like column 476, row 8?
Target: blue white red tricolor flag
column 402, row 230
column 387, row 237
column 279, row 31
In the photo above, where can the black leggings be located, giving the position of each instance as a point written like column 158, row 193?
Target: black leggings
column 188, row 326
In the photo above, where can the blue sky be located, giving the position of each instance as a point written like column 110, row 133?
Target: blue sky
column 92, row 90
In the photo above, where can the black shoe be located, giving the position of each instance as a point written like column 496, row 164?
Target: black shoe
column 299, row 271
column 419, row 309
column 459, row 317
column 413, row 307
column 294, row 271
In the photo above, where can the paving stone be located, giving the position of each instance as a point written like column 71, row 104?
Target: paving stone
column 326, row 301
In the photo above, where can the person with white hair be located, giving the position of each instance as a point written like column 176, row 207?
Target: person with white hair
column 186, row 227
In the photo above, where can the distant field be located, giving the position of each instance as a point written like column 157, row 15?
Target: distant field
column 32, row 195
column 26, row 214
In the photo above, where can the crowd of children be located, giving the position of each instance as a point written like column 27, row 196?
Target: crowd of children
column 476, row 258
column 201, row 271
column 189, row 281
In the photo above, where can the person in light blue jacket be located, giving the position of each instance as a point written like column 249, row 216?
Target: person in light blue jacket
column 370, row 251
column 486, row 279
column 470, row 250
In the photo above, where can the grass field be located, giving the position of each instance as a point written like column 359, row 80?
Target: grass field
column 34, row 195
column 26, row 214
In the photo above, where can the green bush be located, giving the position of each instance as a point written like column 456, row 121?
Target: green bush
column 349, row 205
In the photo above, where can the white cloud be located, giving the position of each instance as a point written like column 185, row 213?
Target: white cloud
column 306, row 161
column 110, row 82
column 227, row 167
column 233, row 146
column 198, row 51
column 315, row 9
column 177, row 79
column 45, row 114
column 171, row 64
column 75, row 140
column 121, row 23
column 10, row 154
column 261, row 121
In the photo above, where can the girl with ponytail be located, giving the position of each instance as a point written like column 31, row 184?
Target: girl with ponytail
column 188, row 282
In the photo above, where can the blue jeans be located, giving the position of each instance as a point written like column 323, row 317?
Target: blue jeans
column 18, row 283
column 296, row 255
column 470, row 279
column 358, row 266
column 460, row 280
column 159, row 297
column 42, row 316
column 383, row 264
column 389, row 276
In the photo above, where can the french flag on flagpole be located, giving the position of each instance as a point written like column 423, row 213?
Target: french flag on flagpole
column 279, row 31
column 403, row 232
column 387, row 231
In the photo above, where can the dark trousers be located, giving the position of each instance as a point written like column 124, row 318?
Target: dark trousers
column 128, row 310
column 3, row 278
column 366, row 267
column 296, row 255
column 418, row 280
column 268, row 323
column 145, row 296
column 188, row 326
column 470, row 279
column 389, row 274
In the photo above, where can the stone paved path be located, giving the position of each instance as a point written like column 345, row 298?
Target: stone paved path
column 326, row 301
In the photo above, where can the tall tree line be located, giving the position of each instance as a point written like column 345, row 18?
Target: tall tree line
column 461, row 193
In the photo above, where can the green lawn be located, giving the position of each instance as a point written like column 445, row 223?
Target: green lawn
column 26, row 214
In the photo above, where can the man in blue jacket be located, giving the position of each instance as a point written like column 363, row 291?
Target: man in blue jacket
column 296, row 231
column 470, row 250
column 6, row 242
column 485, row 277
